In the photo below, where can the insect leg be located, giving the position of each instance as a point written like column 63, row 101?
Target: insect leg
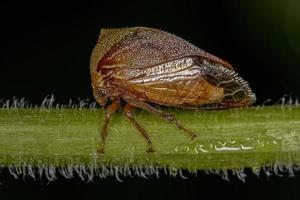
column 171, row 118
column 112, row 108
column 128, row 111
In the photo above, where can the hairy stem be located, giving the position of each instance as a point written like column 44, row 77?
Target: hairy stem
column 227, row 139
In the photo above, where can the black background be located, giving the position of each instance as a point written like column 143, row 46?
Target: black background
column 201, row 187
column 45, row 49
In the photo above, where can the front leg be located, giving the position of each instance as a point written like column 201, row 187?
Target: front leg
column 112, row 108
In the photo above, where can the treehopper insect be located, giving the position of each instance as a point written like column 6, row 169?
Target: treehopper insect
column 142, row 67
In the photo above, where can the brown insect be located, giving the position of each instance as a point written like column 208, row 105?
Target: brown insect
column 140, row 67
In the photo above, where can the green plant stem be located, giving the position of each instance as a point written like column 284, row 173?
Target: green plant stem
column 227, row 139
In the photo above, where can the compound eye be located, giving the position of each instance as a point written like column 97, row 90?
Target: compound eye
column 102, row 93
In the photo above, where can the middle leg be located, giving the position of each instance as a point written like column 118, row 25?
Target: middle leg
column 128, row 111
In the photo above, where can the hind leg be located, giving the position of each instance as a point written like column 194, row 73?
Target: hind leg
column 169, row 117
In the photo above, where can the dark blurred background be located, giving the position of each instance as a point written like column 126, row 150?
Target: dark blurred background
column 201, row 187
column 45, row 49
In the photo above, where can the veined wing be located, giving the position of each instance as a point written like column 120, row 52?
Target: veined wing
column 187, row 82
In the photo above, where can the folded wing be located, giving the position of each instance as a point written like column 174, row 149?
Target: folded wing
column 187, row 82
